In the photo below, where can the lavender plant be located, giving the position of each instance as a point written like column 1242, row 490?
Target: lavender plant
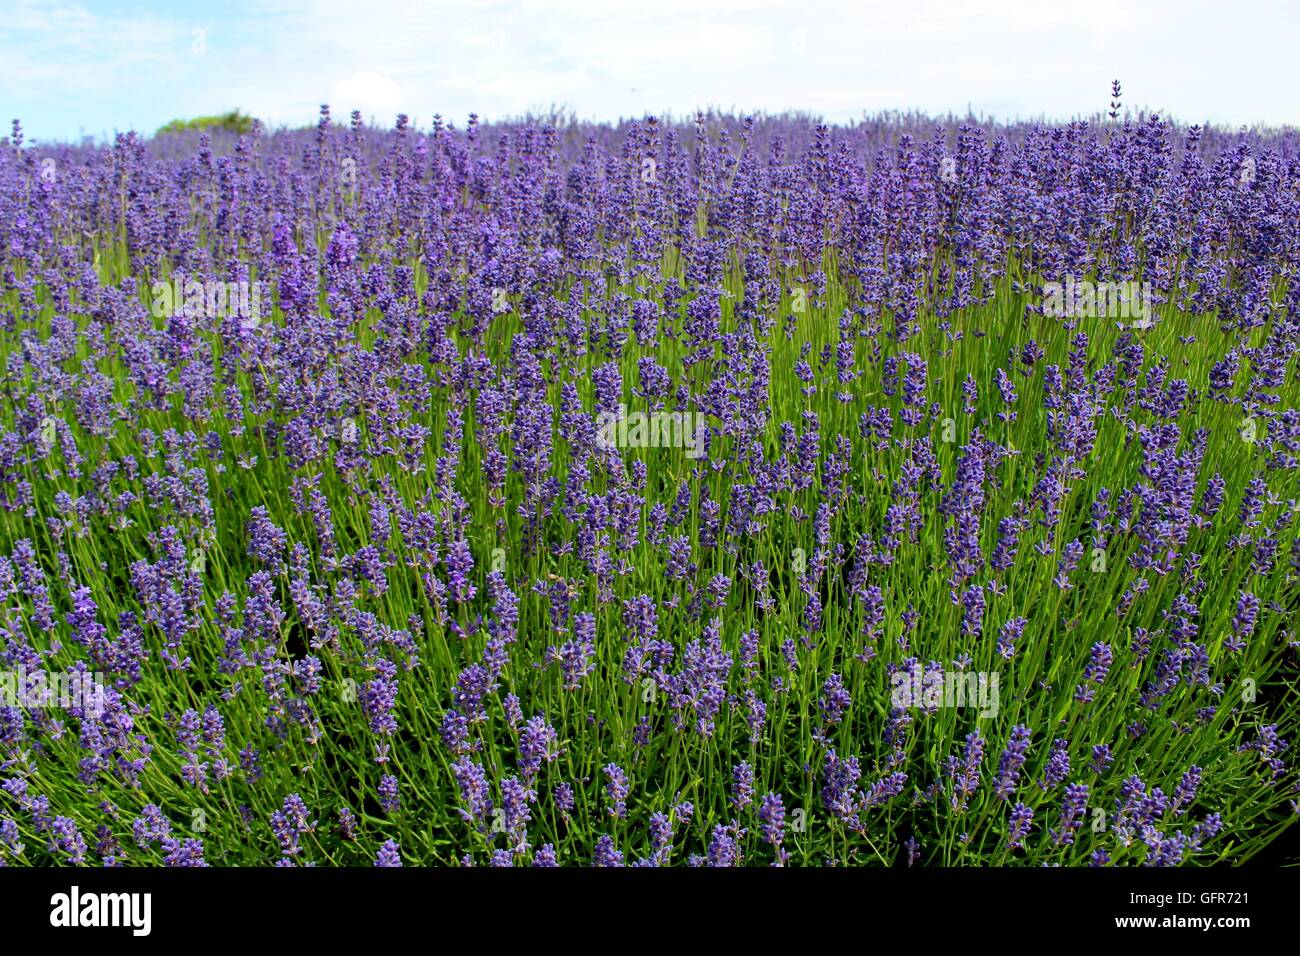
column 743, row 492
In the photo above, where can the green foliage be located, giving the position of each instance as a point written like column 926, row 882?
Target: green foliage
column 338, row 768
column 231, row 122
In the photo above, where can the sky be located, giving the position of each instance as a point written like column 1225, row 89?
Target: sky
column 96, row 67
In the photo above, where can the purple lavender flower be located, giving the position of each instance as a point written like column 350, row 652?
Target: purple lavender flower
column 1072, row 808
column 66, row 838
column 835, row 700
column 1185, row 792
column 538, row 742
column 290, row 823
column 606, row 853
column 515, row 813
column 1008, row 635
column 1095, row 672
column 1058, row 765
column 616, row 788
column 1012, row 760
column 347, row 824
column 724, row 847
column 965, row 773
column 661, row 838
column 1243, row 622
column 840, row 792
column 379, row 700
column 389, row 854
column 771, row 815
column 564, row 798
column 1021, row 821
column 545, row 856
column 1101, row 758
column 389, row 795
column 742, row 788
column 474, row 792
column 913, row 847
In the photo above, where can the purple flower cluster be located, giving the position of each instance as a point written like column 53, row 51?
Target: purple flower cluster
column 579, row 493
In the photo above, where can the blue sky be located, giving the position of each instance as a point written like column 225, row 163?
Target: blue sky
column 69, row 69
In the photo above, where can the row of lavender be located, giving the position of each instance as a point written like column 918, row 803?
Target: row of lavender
column 745, row 493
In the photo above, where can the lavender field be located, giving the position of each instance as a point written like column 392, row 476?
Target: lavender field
column 737, row 492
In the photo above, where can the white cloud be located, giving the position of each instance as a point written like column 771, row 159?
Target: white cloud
column 372, row 93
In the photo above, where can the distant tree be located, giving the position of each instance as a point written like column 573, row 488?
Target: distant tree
column 233, row 122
